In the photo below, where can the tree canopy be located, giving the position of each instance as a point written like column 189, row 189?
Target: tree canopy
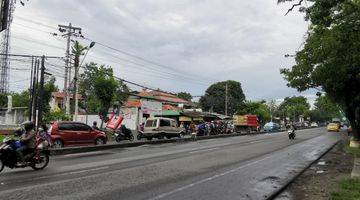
column 258, row 108
column 184, row 95
column 330, row 58
column 324, row 110
column 214, row 98
column 293, row 107
column 100, row 88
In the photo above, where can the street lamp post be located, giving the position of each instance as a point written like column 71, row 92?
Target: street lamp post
column 76, row 88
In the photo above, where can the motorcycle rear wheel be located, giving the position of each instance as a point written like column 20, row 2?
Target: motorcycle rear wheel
column 44, row 161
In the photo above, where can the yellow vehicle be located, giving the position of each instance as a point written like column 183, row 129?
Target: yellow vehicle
column 333, row 127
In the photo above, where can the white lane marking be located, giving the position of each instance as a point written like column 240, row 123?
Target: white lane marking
column 205, row 180
column 203, row 150
column 83, row 154
column 71, row 173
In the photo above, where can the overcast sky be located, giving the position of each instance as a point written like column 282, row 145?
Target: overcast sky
column 195, row 42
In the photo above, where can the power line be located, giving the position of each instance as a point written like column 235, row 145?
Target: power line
column 34, row 22
column 40, row 43
column 137, row 57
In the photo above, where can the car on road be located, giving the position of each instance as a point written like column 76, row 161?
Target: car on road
column 314, row 125
column 333, row 127
column 271, row 127
column 160, row 127
column 65, row 134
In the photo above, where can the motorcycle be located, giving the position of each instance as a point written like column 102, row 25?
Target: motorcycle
column 291, row 134
column 37, row 159
column 120, row 136
column 140, row 135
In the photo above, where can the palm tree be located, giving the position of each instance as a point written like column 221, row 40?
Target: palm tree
column 77, row 50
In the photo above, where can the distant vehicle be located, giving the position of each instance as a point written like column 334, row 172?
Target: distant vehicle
column 333, row 127
column 75, row 134
column 271, row 127
column 337, row 121
column 314, row 125
column 246, row 123
column 160, row 127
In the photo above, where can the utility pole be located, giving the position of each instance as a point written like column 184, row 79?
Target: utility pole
column 226, row 99
column 34, row 91
column 31, row 88
column 5, row 69
column 41, row 92
column 68, row 31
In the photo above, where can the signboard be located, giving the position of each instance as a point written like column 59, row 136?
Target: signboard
column 184, row 119
column 151, row 108
column 197, row 118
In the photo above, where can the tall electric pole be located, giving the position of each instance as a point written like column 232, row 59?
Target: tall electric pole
column 41, row 92
column 5, row 45
column 226, row 99
column 68, row 31
column 31, row 88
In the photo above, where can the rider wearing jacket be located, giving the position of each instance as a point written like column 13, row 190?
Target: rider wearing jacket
column 28, row 139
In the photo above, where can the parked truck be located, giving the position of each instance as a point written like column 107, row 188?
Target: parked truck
column 246, row 123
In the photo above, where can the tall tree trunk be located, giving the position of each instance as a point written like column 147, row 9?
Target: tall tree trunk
column 353, row 115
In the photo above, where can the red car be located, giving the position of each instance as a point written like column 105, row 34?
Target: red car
column 75, row 134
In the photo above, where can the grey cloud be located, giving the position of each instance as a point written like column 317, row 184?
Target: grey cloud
column 219, row 40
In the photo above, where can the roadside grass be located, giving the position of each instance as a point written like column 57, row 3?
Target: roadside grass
column 348, row 189
column 1, row 138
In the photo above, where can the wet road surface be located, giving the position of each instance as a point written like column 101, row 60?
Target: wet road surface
column 243, row 167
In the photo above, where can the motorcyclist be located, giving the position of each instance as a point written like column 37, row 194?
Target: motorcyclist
column 94, row 126
column 125, row 131
column 28, row 138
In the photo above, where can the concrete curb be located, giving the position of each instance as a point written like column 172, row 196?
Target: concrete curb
column 281, row 189
column 72, row 150
column 355, row 173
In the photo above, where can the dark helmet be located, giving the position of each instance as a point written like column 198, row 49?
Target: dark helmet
column 28, row 126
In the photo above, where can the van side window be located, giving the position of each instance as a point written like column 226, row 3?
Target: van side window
column 149, row 123
column 164, row 122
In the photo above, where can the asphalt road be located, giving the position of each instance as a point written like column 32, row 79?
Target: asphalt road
column 243, row 167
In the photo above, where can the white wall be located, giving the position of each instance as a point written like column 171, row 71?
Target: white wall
column 131, row 117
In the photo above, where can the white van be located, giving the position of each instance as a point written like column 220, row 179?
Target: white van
column 160, row 127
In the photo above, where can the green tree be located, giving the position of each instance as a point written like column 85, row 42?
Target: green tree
column 330, row 58
column 293, row 107
column 77, row 50
column 324, row 109
column 20, row 99
column 100, row 89
column 258, row 108
column 214, row 98
column 184, row 95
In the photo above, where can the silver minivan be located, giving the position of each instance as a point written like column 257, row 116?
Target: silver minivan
column 160, row 127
